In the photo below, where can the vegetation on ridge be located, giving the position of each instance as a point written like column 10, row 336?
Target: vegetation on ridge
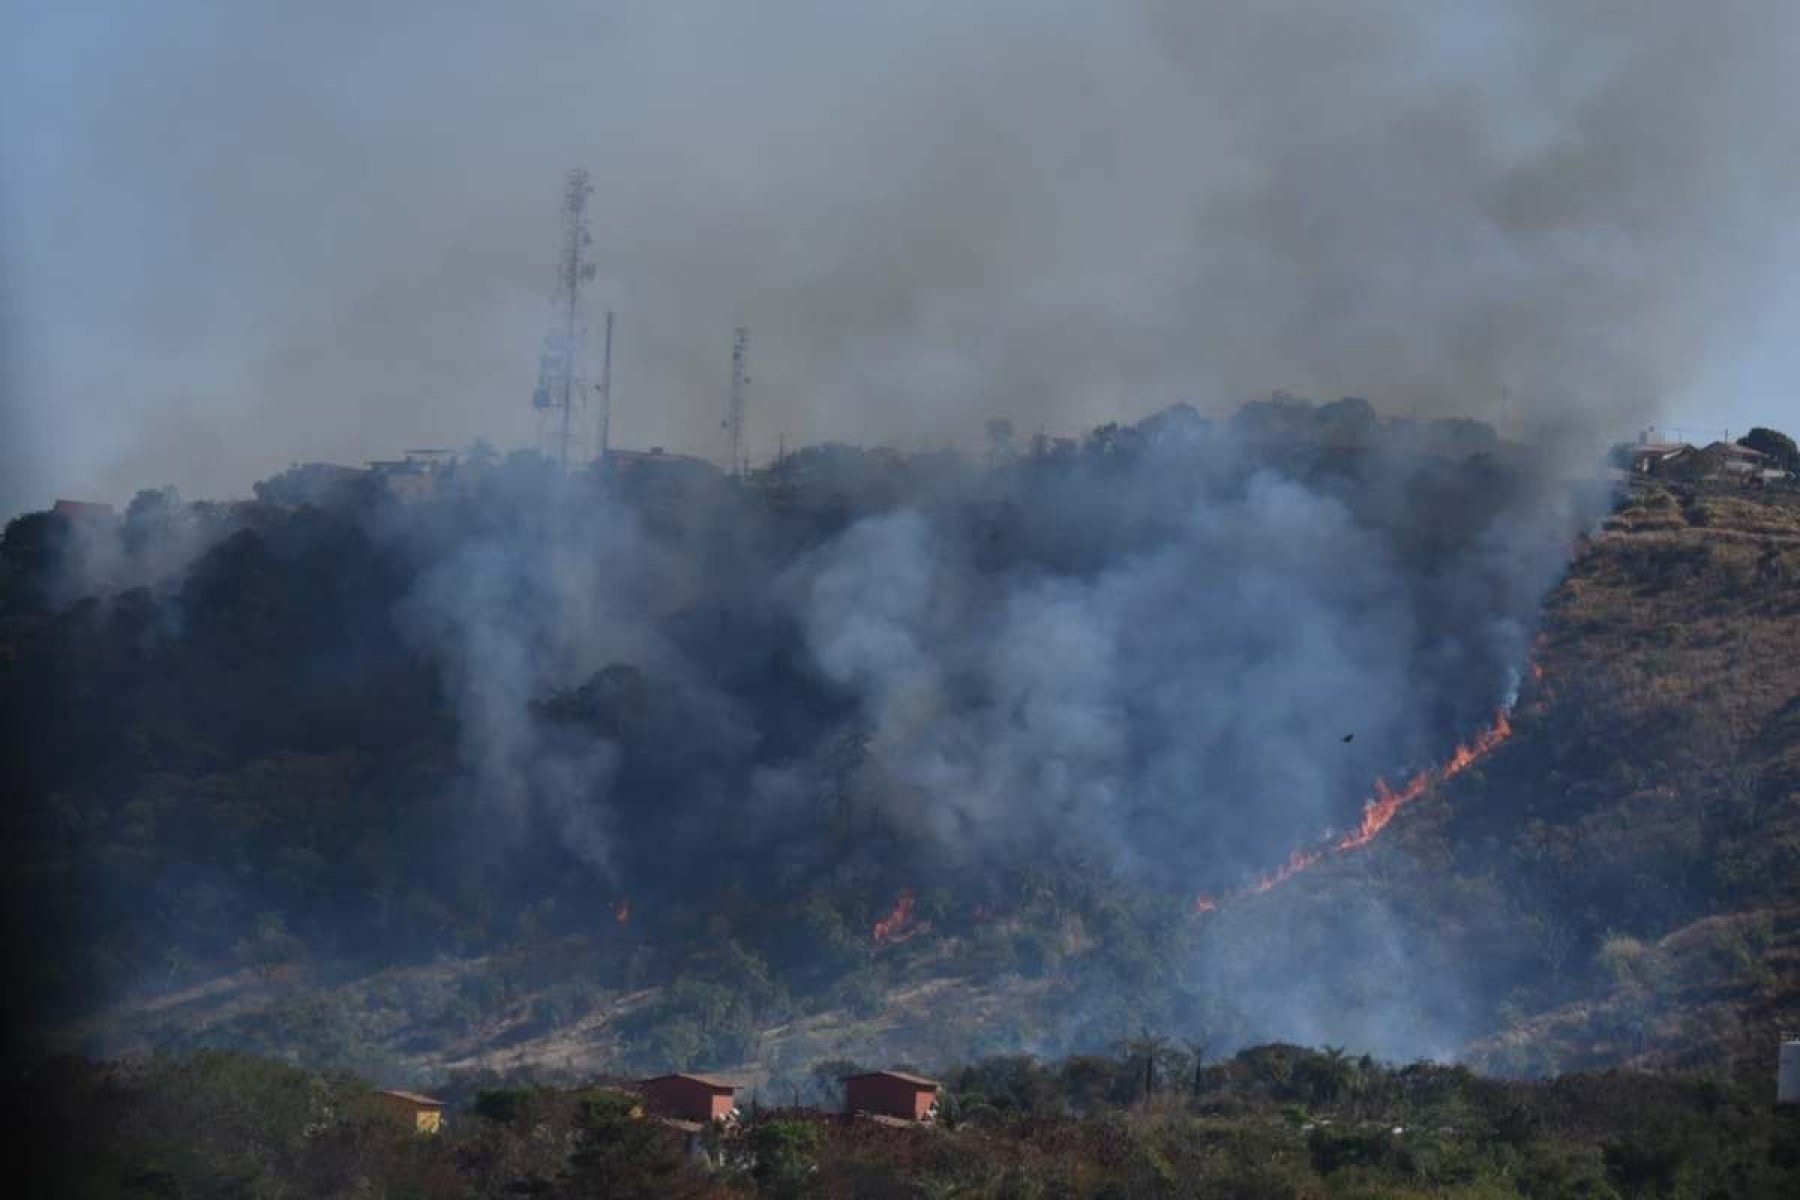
column 243, row 827
column 1274, row 1121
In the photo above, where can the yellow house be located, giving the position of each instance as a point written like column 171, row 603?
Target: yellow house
column 426, row 1114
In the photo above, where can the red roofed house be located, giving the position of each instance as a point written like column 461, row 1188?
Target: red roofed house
column 891, row 1094
column 698, row 1098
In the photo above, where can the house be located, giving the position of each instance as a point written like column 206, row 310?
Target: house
column 1648, row 458
column 426, row 1114
column 1739, row 462
column 698, row 1099
column 891, row 1094
column 418, row 476
column 1726, row 461
column 655, row 474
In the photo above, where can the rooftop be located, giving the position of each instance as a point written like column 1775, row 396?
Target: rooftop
column 903, row 1076
column 412, row 1098
column 722, row 1085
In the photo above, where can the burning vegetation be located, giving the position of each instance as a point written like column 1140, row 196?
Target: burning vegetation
column 898, row 924
column 1379, row 810
column 1051, row 687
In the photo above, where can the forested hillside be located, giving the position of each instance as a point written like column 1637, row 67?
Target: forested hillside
column 869, row 755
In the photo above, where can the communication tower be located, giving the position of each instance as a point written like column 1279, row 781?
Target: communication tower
column 604, row 390
column 559, row 396
column 734, row 402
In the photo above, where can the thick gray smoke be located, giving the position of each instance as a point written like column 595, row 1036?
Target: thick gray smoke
column 239, row 235
column 1131, row 711
column 1140, row 662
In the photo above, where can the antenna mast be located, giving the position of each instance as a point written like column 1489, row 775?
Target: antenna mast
column 604, row 387
column 559, row 394
column 734, row 404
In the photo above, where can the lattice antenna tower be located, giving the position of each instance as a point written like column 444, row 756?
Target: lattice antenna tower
column 559, row 396
column 604, row 390
column 734, row 401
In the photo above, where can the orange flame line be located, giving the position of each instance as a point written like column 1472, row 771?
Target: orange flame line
column 1297, row 861
column 1379, row 811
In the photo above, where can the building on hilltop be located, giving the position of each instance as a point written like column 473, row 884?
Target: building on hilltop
column 656, row 462
column 418, row 476
column 1741, row 463
column 893, row 1094
column 425, row 1114
column 1717, row 461
column 1650, row 458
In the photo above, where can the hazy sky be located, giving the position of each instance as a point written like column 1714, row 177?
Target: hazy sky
column 238, row 235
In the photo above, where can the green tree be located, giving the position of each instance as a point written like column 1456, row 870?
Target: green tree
column 621, row 1156
column 786, row 1157
column 1328, row 1077
column 1777, row 445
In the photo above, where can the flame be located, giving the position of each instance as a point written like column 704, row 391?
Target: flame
column 1383, row 807
column 1379, row 810
column 1484, row 744
column 622, row 914
column 1297, row 861
column 890, row 927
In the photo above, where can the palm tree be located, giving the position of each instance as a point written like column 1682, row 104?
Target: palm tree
column 1334, row 1073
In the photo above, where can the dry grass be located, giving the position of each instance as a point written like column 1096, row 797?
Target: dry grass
column 1672, row 660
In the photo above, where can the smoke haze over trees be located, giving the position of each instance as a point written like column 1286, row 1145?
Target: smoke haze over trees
column 1084, row 681
column 235, row 236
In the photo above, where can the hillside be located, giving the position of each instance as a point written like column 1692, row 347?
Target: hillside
column 688, row 773
column 1669, row 741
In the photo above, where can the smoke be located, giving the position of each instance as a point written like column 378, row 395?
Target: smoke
column 1162, row 659
column 1144, row 657
column 1093, row 710
column 1084, row 682
column 514, row 610
column 1159, row 670
column 236, row 236
column 240, row 235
